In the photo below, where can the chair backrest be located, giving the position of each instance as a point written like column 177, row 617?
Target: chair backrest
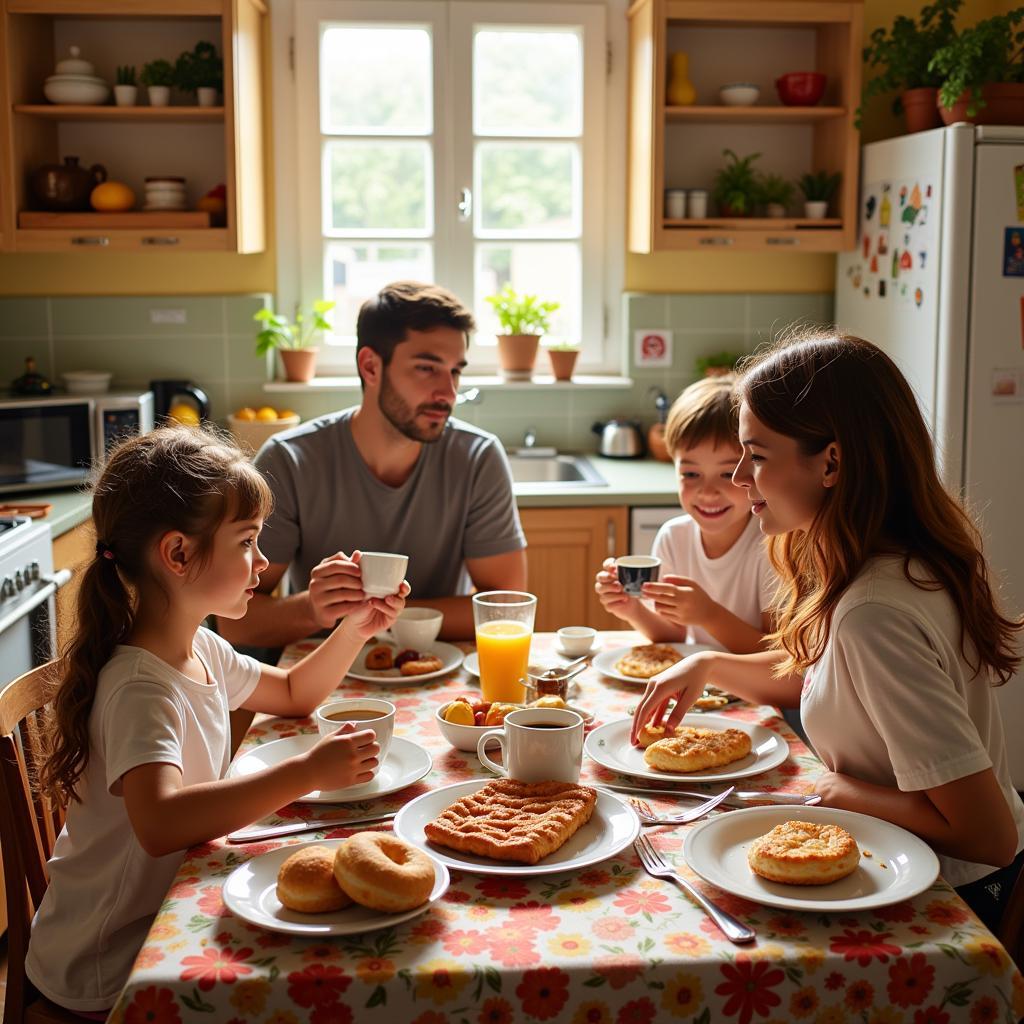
column 29, row 821
column 1011, row 927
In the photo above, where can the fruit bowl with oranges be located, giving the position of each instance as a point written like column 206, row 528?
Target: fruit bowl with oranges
column 251, row 427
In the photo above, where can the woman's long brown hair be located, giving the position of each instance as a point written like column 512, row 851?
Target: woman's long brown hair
column 173, row 478
column 888, row 498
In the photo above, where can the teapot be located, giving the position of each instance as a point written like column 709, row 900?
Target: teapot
column 65, row 186
column 619, row 439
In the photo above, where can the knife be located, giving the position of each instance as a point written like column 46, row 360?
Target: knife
column 248, row 835
column 741, row 798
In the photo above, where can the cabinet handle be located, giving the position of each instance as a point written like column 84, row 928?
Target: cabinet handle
column 90, row 240
column 782, row 241
column 716, row 241
column 160, row 240
column 611, row 537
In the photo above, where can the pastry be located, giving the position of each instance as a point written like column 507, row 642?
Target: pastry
column 422, row 665
column 379, row 658
column 647, row 660
column 306, row 883
column 383, row 872
column 517, row 821
column 694, row 749
column 711, row 701
column 804, row 853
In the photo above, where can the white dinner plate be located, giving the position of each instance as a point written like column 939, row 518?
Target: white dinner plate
column 451, row 659
column 406, row 763
column 609, row 746
column 900, row 866
column 250, row 892
column 613, row 826
column 606, row 660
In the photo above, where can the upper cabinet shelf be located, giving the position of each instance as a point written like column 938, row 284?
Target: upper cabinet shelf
column 755, row 114
column 160, row 115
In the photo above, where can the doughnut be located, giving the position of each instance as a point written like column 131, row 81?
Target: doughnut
column 422, row 665
column 306, row 883
column 384, row 872
column 379, row 658
column 804, row 853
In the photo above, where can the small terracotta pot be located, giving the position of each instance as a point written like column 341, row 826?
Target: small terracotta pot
column 299, row 363
column 562, row 362
column 920, row 109
column 517, row 353
column 1004, row 104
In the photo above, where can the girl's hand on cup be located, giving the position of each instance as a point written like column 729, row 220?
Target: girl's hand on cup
column 377, row 614
column 335, row 588
column 680, row 601
column 609, row 590
column 346, row 757
column 685, row 681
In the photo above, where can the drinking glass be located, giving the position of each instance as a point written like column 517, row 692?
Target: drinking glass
column 504, row 628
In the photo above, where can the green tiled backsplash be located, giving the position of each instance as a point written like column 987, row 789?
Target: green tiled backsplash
column 209, row 339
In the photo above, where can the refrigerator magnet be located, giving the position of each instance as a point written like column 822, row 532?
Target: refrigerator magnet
column 1018, row 189
column 1006, row 385
column 1013, row 252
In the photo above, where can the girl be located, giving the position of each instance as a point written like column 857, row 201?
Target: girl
column 140, row 734
column 889, row 635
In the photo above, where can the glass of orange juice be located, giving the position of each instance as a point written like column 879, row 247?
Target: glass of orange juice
column 504, row 628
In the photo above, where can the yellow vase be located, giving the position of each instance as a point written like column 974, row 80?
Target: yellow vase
column 680, row 92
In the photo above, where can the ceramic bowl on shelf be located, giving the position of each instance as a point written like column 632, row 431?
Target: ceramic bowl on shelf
column 739, row 94
column 81, row 89
column 800, row 88
column 87, row 382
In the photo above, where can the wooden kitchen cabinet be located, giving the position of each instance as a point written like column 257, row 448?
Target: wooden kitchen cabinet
column 206, row 146
column 566, row 547
column 731, row 41
column 71, row 550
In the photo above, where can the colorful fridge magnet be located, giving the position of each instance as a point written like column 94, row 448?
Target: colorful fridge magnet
column 922, row 256
column 883, row 245
column 881, row 289
column 885, row 212
column 1018, row 189
column 869, row 207
column 906, row 260
column 1013, row 252
column 866, row 246
column 918, row 296
column 895, row 272
column 913, row 205
column 874, row 264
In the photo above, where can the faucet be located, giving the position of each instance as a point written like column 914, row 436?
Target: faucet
column 530, row 437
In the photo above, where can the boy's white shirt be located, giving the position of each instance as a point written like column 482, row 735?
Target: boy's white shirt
column 104, row 888
column 741, row 580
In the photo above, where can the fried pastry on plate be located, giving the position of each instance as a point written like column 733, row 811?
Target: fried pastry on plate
column 647, row 660
column 379, row 658
column 422, row 665
column 693, row 749
column 804, row 853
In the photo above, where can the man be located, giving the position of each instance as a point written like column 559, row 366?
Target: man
column 393, row 474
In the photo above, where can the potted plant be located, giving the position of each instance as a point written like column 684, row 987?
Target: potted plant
column 296, row 342
column 158, row 77
column 200, row 71
column 523, row 318
column 563, row 359
column 983, row 72
column 717, row 363
column 776, row 193
column 736, row 187
column 818, row 189
column 904, row 55
column 126, row 91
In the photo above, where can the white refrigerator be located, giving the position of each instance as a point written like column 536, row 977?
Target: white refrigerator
column 937, row 281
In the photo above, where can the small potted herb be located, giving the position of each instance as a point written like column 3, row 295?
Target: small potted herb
column 718, row 363
column 296, row 342
column 563, row 359
column 818, row 189
column 736, row 187
column 200, row 71
column 523, row 319
column 776, row 193
column 158, row 77
column 126, row 91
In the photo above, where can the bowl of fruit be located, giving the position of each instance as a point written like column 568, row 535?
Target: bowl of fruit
column 464, row 720
column 252, row 427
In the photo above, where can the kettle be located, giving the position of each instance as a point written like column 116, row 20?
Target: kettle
column 619, row 439
column 165, row 393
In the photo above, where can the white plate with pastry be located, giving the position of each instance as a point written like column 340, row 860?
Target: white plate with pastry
column 250, row 892
column 894, row 865
column 443, row 659
column 612, row 827
column 406, row 763
column 637, row 664
column 609, row 746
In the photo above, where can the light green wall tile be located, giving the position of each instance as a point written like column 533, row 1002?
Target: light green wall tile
column 239, row 310
column 717, row 312
column 243, row 362
column 645, row 311
column 772, row 315
column 138, row 362
column 105, row 317
column 23, row 318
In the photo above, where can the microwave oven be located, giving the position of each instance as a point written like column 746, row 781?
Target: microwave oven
column 52, row 441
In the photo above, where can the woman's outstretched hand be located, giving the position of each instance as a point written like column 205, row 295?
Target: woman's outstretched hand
column 685, row 681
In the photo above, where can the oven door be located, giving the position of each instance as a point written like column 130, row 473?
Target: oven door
column 28, row 635
column 45, row 444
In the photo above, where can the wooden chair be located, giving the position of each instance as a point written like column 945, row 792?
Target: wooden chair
column 29, row 825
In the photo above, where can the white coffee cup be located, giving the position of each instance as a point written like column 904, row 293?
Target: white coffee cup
column 417, row 627
column 537, row 745
column 382, row 572
column 383, row 726
column 576, row 640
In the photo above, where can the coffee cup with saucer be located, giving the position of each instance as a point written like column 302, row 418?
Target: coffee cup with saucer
column 575, row 641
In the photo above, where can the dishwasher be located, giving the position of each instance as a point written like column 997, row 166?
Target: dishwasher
column 644, row 524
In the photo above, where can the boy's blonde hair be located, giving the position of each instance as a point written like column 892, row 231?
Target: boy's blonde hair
column 705, row 411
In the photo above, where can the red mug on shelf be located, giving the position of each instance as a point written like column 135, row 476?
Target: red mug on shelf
column 800, row 88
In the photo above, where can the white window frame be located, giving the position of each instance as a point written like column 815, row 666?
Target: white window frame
column 300, row 261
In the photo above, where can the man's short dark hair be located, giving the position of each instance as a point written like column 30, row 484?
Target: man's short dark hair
column 408, row 305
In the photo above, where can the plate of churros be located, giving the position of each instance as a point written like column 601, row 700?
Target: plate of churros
column 702, row 748
column 811, row 858
column 391, row 665
column 638, row 664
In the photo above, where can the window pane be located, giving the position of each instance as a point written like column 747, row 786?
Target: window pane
column 528, row 188
column 549, row 270
column 378, row 188
column 355, row 272
column 527, row 82
column 375, row 80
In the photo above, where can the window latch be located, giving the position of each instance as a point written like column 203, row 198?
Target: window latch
column 465, row 204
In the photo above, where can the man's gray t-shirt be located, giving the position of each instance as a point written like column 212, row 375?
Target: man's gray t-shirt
column 456, row 504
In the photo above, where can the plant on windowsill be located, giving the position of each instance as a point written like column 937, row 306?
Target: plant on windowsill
column 736, row 186
column 718, row 363
column 200, row 71
column 295, row 342
column 776, row 193
column 818, row 189
column 563, row 359
column 523, row 319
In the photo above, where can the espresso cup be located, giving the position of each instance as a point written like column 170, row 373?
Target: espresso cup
column 417, row 627
column 382, row 572
column 636, row 570
column 576, row 640
column 363, row 713
column 537, row 745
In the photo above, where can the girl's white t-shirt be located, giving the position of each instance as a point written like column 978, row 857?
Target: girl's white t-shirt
column 894, row 701
column 104, row 888
column 742, row 580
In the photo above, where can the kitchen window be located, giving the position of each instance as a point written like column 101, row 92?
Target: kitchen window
column 458, row 142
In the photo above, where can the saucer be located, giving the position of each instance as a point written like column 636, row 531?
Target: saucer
column 562, row 653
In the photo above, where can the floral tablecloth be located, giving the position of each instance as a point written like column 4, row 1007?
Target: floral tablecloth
column 607, row 945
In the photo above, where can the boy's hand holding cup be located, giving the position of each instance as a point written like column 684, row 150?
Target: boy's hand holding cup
column 609, row 590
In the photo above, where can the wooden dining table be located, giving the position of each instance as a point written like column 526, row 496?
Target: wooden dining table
column 608, row 944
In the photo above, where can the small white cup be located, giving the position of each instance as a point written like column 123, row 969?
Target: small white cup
column 383, row 727
column 382, row 572
column 417, row 627
column 697, row 204
column 537, row 745
column 675, row 203
column 576, row 640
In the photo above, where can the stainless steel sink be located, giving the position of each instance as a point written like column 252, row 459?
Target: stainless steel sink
column 555, row 471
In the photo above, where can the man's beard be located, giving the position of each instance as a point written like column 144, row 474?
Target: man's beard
column 403, row 418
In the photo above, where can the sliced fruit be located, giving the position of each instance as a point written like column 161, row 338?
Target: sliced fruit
column 459, row 713
column 496, row 714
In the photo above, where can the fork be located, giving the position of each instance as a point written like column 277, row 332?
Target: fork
column 655, row 865
column 648, row 817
